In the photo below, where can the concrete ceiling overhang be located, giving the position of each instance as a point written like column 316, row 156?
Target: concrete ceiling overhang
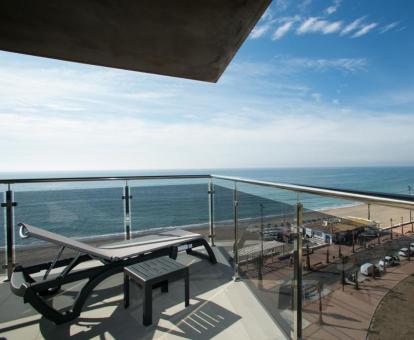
column 193, row 39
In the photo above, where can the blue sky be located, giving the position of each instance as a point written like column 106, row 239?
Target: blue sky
column 317, row 83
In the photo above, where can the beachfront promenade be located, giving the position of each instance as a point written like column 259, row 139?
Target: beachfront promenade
column 347, row 313
column 342, row 312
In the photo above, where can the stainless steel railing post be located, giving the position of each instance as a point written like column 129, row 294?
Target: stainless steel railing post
column 9, row 230
column 261, row 259
column 236, row 233
column 211, row 211
column 411, row 219
column 297, row 281
column 127, row 211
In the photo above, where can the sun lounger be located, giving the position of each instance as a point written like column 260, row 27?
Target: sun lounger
column 112, row 259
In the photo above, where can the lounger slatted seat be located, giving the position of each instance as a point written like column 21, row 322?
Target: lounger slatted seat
column 112, row 259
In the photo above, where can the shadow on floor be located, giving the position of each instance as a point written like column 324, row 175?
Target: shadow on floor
column 202, row 320
column 104, row 313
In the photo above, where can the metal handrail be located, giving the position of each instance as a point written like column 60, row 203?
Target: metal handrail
column 99, row 178
column 393, row 200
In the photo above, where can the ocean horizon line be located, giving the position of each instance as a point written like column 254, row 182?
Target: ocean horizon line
column 322, row 167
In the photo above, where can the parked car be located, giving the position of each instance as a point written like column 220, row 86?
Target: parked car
column 404, row 252
column 389, row 261
column 393, row 260
column 369, row 268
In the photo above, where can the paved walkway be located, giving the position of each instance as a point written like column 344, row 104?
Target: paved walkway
column 347, row 314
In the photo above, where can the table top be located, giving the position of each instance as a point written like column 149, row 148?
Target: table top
column 154, row 268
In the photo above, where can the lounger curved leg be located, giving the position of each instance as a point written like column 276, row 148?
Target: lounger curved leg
column 44, row 309
column 88, row 288
column 209, row 251
column 38, row 303
column 202, row 242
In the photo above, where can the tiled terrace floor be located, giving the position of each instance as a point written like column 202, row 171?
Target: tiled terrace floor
column 219, row 308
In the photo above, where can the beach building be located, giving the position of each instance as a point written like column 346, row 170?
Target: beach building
column 335, row 230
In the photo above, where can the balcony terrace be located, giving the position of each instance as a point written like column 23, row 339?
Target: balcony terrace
column 251, row 291
column 219, row 307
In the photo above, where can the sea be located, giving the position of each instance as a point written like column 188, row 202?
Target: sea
column 94, row 209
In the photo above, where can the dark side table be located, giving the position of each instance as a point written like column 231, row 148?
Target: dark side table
column 152, row 274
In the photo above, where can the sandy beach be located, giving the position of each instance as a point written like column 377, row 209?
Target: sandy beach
column 379, row 214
